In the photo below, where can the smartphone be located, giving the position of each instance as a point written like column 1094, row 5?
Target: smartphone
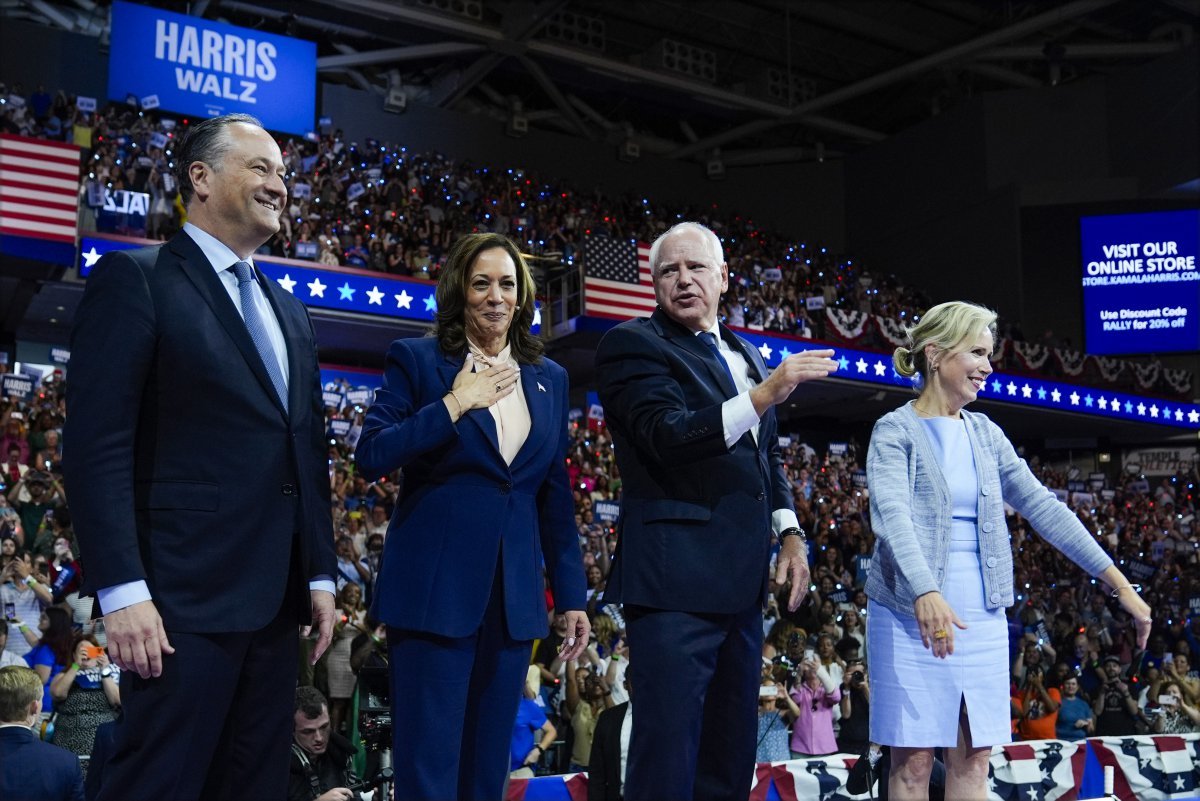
column 10, row 611
column 93, row 651
column 1167, row 700
column 767, row 691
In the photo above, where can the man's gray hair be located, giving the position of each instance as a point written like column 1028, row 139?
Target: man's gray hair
column 710, row 238
column 205, row 141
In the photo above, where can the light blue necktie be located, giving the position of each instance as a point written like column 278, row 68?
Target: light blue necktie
column 710, row 339
column 258, row 331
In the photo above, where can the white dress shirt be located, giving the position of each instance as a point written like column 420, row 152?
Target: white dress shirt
column 511, row 412
column 738, row 415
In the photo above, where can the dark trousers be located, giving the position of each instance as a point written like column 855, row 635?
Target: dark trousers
column 695, row 681
column 217, row 724
column 454, row 703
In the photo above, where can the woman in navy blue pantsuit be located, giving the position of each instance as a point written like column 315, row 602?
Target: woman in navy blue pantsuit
column 477, row 420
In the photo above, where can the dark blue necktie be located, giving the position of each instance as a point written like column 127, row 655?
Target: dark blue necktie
column 710, row 339
column 258, row 331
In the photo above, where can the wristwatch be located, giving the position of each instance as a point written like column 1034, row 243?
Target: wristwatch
column 106, row 672
column 793, row 531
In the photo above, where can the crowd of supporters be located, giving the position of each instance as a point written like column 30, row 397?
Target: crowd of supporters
column 1075, row 670
column 377, row 206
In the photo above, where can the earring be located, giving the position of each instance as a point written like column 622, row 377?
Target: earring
column 517, row 307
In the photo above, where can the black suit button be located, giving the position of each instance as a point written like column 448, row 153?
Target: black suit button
column 505, row 488
column 288, row 489
column 761, row 496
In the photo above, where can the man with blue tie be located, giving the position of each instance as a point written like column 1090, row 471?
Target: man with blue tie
column 691, row 410
column 195, row 454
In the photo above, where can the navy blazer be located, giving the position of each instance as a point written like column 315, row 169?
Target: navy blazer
column 182, row 466
column 31, row 770
column 462, row 507
column 695, row 525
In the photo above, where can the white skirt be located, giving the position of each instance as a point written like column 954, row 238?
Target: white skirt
column 915, row 696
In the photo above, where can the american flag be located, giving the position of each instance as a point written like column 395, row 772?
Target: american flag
column 39, row 188
column 616, row 280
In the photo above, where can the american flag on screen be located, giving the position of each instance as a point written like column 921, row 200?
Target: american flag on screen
column 39, row 188
column 616, row 280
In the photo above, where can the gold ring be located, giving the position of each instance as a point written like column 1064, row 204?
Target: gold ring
column 941, row 634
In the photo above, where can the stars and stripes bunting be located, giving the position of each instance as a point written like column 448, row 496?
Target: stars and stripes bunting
column 1151, row 768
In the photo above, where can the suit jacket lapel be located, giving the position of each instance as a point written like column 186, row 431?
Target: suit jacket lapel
column 539, row 399
column 749, row 353
column 687, row 340
column 196, row 267
column 482, row 418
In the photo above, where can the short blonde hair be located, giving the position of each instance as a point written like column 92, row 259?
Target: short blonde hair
column 946, row 326
column 19, row 687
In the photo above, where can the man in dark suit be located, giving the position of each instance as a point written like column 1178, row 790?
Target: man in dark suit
column 195, row 454
column 31, row 770
column 690, row 407
column 610, row 751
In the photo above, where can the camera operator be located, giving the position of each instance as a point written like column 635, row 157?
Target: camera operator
column 856, row 707
column 1115, row 708
column 320, row 764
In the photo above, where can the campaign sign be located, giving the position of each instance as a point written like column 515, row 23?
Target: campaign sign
column 60, row 355
column 1141, row 283
column 192, row 65
column 87, row 104
column 606, row 511
column 339, row 428
column 360, row 397
column 123, row 212
column 17, row 386
column 332, row 400
column 1139, row 570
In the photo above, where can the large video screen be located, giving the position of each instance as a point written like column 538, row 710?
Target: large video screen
column 195, row 66
column 1141, row 284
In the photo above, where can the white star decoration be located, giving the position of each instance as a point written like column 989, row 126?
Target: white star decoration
column 403, row 300
column 765, row 350
column 1012, row 388
column 537, row 316
column 1154, row 411
column 1074, row 398
column 1193, row 416
column 288, row 283
column 374, row 297
column 1141, row 407
column 91, row 257
column 1027, row 391
column 316, row 289
column 1179, row 415
column 1056, row 396
column 880, row 368
column 1103, row 403
column 861, row 365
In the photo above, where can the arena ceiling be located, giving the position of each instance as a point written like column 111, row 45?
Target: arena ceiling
column 755, row 82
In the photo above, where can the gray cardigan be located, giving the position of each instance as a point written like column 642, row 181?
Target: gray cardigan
column 910, row 512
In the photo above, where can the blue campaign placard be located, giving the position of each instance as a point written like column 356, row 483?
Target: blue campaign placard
column 195, row 66
column 1141, row 284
